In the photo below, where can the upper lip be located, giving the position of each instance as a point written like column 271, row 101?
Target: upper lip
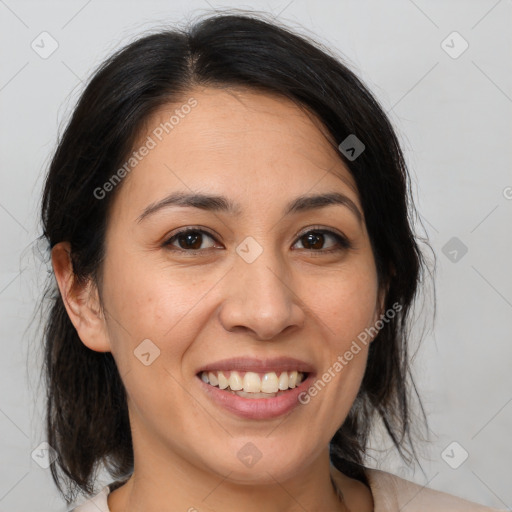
column 259, row 365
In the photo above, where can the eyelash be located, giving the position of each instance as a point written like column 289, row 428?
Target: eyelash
column 343, row 242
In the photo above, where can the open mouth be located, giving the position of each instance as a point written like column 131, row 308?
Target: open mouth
column 254, row 384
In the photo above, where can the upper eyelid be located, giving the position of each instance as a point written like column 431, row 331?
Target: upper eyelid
column 298, row 234
column 315, row 227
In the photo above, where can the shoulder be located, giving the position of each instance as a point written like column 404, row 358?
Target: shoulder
column 390, row 492
column 97, row 503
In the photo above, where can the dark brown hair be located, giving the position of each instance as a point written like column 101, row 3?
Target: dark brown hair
column 87, row 417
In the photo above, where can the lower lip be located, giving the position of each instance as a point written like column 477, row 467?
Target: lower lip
column 257, row 408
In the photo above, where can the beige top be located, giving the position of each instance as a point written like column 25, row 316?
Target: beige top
column 390, row 494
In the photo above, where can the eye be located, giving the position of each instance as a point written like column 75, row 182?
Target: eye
column 315, row 239
column 189, row 240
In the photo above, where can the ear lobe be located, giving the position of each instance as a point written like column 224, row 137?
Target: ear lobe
column 81, row 300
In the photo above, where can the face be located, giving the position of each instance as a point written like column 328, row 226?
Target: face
column 263, row 282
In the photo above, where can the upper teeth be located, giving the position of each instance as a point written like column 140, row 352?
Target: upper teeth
column 252, row 382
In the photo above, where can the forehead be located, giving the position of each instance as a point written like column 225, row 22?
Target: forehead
column 238, row 140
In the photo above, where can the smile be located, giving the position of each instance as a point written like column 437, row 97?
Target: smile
column 253, row 384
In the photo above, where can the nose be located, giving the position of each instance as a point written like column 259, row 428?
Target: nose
column 259, row 298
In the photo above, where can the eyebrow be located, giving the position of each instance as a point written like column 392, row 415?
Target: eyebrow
column 217, row 203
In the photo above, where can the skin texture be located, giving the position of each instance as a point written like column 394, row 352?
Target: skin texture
column 260, row 151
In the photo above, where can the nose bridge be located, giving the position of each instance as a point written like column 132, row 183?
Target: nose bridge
column 260, row 297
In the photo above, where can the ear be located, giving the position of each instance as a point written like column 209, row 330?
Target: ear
column 81, row 300
column 380, row 304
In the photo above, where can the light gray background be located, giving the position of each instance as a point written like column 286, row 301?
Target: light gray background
column 453, row 116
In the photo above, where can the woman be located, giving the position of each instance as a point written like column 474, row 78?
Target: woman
column 228, row 217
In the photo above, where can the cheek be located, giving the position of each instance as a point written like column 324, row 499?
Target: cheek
column 149, row 302
column 153, row 319
column 345, row 302
column 150, row 293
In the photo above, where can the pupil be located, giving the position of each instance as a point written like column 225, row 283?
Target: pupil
column 310, row 237
column 193, row 239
